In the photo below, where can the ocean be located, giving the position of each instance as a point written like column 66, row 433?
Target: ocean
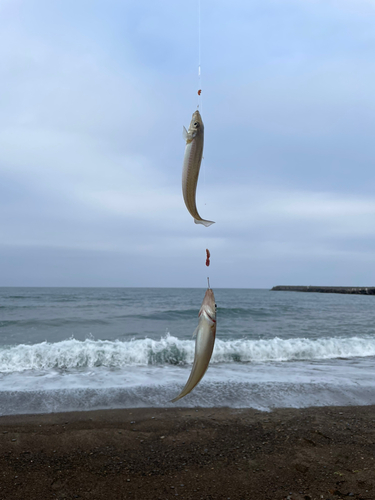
column 65, row 349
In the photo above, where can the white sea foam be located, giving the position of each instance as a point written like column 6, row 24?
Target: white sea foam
column 169, row 350
column 257, row 385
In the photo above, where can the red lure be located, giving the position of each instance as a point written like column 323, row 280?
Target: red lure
column 208, row 257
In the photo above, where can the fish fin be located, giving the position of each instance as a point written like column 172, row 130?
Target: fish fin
column 188, row 136
column 204, row 222
column 195, row 331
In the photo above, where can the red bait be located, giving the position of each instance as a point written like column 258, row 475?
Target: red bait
column 208, row 257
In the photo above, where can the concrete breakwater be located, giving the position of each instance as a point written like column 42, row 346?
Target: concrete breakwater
column 359, row 290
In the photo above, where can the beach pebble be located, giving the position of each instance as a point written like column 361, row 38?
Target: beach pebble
column 301, row 468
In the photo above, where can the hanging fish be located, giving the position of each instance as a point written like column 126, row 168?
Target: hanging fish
column 192, row 163
column 204, row 343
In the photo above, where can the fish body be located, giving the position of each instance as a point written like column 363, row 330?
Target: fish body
column 204, row 343
column 192, row 163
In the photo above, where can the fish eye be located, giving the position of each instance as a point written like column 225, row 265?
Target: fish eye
column 196, row 124
column 215, row 306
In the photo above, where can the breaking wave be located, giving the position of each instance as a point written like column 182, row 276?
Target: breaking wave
column 169, row 350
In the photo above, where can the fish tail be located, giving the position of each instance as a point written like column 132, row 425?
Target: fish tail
column 175, row 399
column 204, row 222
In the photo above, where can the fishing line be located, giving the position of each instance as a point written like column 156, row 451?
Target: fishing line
column 200, row 109
column 199, row 106
column 200, row 98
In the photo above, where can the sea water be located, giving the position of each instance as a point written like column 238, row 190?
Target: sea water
column 64, row 349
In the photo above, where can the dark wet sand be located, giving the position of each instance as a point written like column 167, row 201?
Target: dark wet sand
column 212, row 453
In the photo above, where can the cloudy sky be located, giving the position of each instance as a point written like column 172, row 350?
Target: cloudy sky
column 93, row 97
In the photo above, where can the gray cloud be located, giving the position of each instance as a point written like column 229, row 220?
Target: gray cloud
column 91, row 148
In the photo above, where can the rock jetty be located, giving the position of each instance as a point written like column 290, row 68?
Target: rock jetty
column 358, row 290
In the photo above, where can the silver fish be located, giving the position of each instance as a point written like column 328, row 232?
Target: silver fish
column 192, row 163
column 204, row 342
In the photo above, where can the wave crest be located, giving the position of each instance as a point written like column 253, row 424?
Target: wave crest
column 169, row 350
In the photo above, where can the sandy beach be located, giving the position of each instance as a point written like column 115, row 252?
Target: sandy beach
column 213, row 453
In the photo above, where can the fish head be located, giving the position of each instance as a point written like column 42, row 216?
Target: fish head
column 196, row 124
column 208, row 307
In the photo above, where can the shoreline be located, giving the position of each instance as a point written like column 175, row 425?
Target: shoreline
column 209, row 453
